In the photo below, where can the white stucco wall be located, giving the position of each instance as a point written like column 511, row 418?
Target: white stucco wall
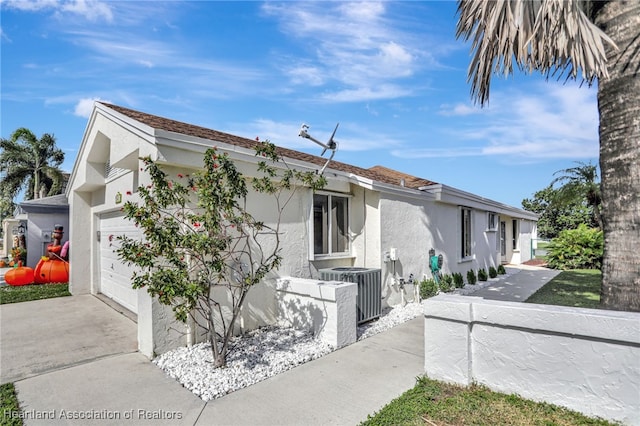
column 584, row 359
column 527, row 233
column 406, row 224
column 39, row 234
column 325, row 308
column 415, row 225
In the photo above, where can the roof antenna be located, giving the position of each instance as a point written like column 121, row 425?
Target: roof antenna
column 330, row 145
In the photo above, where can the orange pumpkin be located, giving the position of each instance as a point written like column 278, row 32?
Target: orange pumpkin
column 19, row 276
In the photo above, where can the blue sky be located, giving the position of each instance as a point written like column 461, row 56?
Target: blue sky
column 391, row 73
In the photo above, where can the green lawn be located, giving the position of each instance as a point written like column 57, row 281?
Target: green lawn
column 9, row 408
column 26, row 293
column 578, row 288
column 435, row 403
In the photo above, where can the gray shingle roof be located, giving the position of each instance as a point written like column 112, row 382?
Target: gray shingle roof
column 55, row 200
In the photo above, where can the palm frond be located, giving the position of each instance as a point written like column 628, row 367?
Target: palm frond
column 27, row 162
column 551, row 36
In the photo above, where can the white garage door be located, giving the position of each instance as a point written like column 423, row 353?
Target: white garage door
column 115, row 276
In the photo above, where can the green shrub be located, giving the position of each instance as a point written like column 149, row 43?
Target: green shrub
column 580, row 248
column 471, row 276
column 428, row 288
column 9, row 406
column 492, row 272
column 446, row 283
column 482, row 274
column 501, row 270
column 458, row 281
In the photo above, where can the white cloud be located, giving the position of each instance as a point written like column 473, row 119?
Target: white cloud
column 306, row 75
column 362, row 11
column 453, row 152
column 84, row 107
column 31, row 6
column 459, row 109
column 280, row 133
column 350, row 137
column 540, row 149
column 395, row 60
column 92, row 10
column 361, row 94
column 354, row 44
column 115, row 47
column 145, row 63
column 548, row 121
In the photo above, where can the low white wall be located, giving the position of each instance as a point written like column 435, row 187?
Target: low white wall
column 327, row 308
column 585, row 359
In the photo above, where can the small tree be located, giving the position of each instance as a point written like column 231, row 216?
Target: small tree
column 199, row 236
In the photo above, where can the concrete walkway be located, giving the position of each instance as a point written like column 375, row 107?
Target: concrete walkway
column 519, row 286
column 75, row 357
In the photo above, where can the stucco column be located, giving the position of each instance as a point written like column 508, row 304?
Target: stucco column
column 82, row 243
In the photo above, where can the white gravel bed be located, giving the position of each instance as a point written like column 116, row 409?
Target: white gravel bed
column 390, row 318
column 260, row 354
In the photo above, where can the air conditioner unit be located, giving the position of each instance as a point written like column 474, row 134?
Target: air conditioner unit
column 369, row 299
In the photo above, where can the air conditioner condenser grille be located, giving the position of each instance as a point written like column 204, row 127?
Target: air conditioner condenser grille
column 369, row 299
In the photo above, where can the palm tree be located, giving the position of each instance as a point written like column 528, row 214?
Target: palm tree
column 580, row 184
column 601, row 39
column 31, row 163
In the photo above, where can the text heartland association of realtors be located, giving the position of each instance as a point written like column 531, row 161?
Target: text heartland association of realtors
column 138, row 414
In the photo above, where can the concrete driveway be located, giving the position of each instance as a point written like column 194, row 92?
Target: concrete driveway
column 47, row 335
column 74, row 361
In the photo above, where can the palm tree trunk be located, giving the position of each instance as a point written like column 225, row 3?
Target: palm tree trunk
column 619, row 105
column 36, row 184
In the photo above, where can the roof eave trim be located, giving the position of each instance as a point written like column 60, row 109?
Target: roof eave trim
column 459, row 196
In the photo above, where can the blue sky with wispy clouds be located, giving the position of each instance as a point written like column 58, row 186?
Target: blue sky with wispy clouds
column 391, row 73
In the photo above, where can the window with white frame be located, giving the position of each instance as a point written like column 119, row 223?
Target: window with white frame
column 465, row 233
column 492, row 221
column 330, row 224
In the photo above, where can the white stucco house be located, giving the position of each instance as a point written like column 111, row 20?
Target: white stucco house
column 355, row 221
